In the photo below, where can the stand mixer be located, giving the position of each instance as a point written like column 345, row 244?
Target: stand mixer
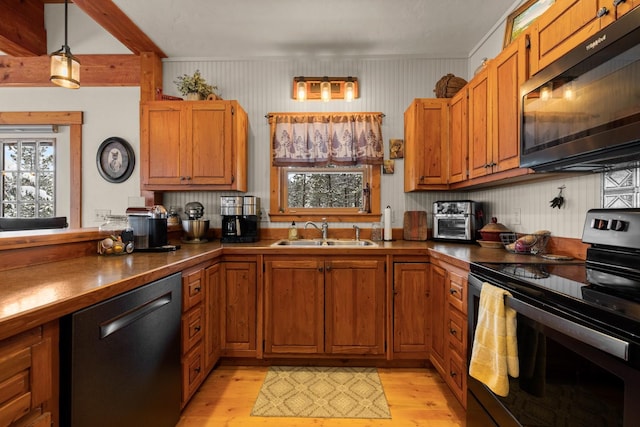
column 195, row 228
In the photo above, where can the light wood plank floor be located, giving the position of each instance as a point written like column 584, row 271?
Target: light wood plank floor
column 416, row 397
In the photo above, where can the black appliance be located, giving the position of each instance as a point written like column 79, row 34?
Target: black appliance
column 149, row 226
column 120, row 359
column 239, row 219
column 457, row 220
column 581, row 113
column 578, row 333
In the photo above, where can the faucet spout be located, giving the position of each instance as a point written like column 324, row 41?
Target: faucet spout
column 324, row 229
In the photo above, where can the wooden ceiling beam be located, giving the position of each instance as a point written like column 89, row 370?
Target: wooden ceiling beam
column 22, row 31
column 112, row 19
column 95, row 70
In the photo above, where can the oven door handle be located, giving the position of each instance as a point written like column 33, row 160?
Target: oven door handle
column 597, row 339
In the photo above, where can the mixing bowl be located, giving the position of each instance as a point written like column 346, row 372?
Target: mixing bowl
column 195, row 230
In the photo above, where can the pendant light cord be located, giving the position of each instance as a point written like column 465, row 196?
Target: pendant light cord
column 66, row 5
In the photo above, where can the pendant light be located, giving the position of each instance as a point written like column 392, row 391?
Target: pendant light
column 325, row 89
column 65, row 68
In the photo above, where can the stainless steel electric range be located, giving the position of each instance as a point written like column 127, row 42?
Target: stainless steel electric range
column 578, row 332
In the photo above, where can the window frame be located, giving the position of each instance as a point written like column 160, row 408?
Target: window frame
column 278, row 213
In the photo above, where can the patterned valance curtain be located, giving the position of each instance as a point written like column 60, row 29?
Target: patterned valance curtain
column 321, row 139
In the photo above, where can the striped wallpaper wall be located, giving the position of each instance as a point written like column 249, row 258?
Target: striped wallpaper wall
column 387, row 85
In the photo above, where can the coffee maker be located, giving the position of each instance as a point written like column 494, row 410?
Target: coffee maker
column 239, row 219
column 149, row 226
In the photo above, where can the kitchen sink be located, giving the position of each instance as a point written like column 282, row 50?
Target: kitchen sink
column 334, row 243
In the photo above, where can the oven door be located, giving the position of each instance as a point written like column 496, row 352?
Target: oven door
column 564, row 379
column 452, row 227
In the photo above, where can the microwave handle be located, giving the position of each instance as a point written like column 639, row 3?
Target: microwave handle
column 597, row 339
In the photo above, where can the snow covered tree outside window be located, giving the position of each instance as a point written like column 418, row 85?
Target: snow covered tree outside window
column 28, row 178
column 324, row 187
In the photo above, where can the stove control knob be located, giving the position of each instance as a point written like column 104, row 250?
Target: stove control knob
column 599, row 224
column 617, row 225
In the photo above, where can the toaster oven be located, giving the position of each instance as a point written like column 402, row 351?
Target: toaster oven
column 456, row 220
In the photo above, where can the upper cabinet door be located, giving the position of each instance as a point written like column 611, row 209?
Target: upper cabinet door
column 200, row 145
column 426, row 134
column 479, row 125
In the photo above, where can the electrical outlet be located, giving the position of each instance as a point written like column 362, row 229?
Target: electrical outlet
column 515, row 220
column 99, row 215
column 264, row 215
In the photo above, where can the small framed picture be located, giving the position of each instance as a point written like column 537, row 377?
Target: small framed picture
column 396, row 149
column 388, row 166
column 115, row 159
column 522, row 17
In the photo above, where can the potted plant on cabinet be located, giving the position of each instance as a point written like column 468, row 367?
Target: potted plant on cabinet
column 195, row 87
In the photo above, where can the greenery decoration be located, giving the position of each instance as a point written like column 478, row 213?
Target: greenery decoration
column 195, row 84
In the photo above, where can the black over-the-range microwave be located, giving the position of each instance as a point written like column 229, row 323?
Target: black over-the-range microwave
column 582, row 112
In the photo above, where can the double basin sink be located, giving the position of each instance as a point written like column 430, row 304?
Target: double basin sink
column 320, row 243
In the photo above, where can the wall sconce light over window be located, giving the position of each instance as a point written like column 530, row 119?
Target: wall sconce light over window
column 325, row 88
column 65, row 68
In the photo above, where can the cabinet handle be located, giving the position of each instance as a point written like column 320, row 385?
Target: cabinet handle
column 320, row 269
column 196, row 370
column 617, row 2
column 452, row 331
column 197, row 328
column 328, row 268
column 453, row 291
column 197, row 288
column 453, row 374
column 602, row 12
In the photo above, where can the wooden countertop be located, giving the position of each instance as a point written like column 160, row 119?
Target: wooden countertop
column 41, row 293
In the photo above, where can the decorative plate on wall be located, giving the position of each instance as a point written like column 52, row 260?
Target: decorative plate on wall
column 115, row 159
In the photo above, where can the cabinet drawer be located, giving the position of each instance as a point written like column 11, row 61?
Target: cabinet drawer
column 192, row 289
column 192, row 372
column 191, row 328
column 457, row 332
column 15, row 409
column 14, row 386
column 457, row 292
column 457, row 377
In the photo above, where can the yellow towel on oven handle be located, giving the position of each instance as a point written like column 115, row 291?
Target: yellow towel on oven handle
column 495, row 349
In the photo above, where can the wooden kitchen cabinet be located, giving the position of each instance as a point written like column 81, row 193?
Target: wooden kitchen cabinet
column 411, row 310
column 211, row 302
column 426, row 144
column 192, row 331
column 193, row 145
column 459, row 137
column 27, row 378
column 562, row 27
column 294, row 305
column 449, row 325
column 494, row 105
column 239, row 297
column 325, row 305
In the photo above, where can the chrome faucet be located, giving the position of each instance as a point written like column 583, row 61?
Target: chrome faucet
column 357, row 230
column 324, row 229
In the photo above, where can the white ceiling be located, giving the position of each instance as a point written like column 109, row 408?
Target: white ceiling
column 284, row 28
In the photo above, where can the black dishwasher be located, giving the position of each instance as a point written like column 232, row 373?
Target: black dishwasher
column 120, row 359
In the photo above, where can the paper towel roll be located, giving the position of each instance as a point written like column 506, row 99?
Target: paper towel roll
column 387, row 223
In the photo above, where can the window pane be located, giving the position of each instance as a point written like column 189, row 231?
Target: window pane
column 46, row 158
column 9, row 189
column 27, row 186
column 46, row 210
column 10, row 157
column 10, row 210
column 324, row 188
column 28, row 153
column 45, row 186
column 27, row 210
